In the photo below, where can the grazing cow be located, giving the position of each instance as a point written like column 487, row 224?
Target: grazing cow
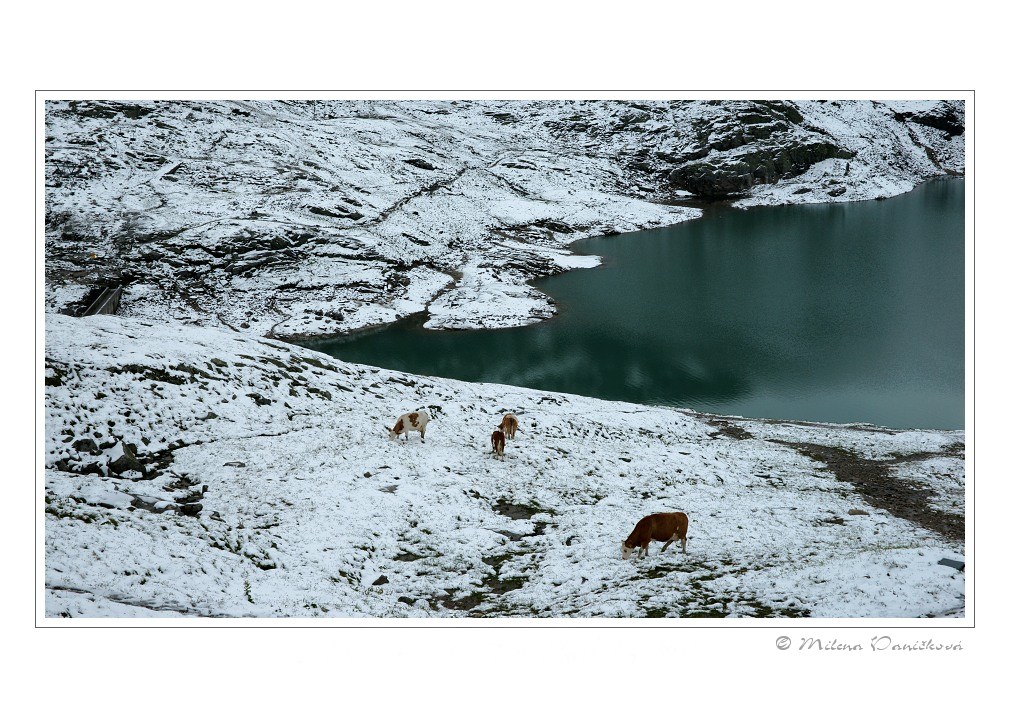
column 498, row 445
column 656, row 527
column 510, row 425
column 414, row 421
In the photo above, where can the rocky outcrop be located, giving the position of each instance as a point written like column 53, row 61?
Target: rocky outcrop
column 124, row 459
column 767, row 163
column 948, row 117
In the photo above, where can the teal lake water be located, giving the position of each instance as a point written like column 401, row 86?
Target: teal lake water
column 830, row 312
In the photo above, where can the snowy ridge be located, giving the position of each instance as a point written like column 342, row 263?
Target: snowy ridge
column 199, row 472
column 293, row 219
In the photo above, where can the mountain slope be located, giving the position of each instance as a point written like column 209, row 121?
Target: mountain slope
column 199, row 472
column 292, row 219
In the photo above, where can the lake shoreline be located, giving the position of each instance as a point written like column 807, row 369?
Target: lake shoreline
column 288, row 499
column 306, row 339
column 732, row 277
column 322, row 246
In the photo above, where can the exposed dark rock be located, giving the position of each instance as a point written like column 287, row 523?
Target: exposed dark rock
column 192, row 509
column 192, row 497
column 91, row 468
column 151, row 373
column 503, row 118
column 736, row 173
column 127, row 461
column 341, row 213
column 86, row 446
column 943, row 116
column 558, row 226
column 407, row 556
column 108, row 110
column 518, row 512
column 420, row 164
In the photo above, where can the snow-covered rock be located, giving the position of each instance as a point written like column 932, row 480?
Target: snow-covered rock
column 292, row 219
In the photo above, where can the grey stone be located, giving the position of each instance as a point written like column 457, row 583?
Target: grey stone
column 127, row 461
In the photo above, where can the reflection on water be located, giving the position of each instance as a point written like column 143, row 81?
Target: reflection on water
column 843, row 312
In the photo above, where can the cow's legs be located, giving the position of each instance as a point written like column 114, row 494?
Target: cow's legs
column 665, row 545
column 683, row 545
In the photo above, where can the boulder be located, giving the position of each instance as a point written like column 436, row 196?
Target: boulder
column 124, row 458
column 943, row 116
column 420, row 164
column 86, row 446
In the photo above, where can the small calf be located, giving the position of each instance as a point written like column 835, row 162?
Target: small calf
column 498, row 445
column 656, row 527
column 510, row 425
column 414, row 421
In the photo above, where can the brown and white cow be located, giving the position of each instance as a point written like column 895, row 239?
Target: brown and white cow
column 510, row 425
column 498, row 445
column 656, row 527
column 414, row 421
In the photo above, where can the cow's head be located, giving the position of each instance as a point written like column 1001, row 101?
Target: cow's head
column 626, row 550
column 393, row 433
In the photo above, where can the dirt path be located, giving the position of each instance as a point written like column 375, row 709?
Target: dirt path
column 872, row 479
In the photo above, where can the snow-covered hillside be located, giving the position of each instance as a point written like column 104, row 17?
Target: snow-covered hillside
column 201, row 472
column 292, row 219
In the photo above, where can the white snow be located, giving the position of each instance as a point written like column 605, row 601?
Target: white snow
column 270, row 488
column 292, row 218
column 327, row 517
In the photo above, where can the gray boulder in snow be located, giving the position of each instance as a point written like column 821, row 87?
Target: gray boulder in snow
column 124, row 458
